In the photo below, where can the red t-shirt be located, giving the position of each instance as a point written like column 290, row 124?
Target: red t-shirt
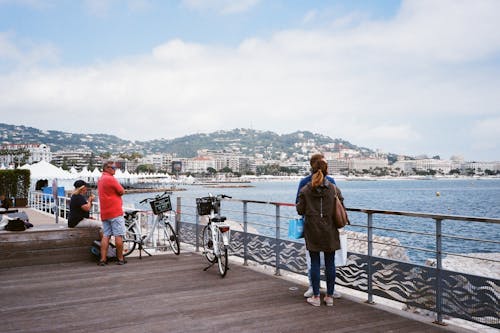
column 110, row 196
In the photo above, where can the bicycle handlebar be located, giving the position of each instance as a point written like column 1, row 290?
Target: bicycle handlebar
column 219, row 196
column 156, row 197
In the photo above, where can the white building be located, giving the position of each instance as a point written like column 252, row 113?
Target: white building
column 198, row 164
column 36, row 153
column 368, row 163
column 75, row 158
column 158, row 161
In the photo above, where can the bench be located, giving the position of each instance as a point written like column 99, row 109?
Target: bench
column 46, row 244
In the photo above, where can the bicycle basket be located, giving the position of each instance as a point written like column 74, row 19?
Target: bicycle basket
column 161, row 205
column 205, row 204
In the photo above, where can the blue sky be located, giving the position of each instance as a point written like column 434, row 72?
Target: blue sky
column 411, row 77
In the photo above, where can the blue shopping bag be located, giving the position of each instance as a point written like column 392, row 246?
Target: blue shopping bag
column 296, row 228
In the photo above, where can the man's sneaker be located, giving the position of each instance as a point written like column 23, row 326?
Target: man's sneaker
column 314, row 301
column 328, row 300
column 336, row 294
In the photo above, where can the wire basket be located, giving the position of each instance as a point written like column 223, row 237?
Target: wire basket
column 161, row 205
column 204, row 205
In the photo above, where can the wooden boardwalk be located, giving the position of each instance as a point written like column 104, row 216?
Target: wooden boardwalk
column 168, row 293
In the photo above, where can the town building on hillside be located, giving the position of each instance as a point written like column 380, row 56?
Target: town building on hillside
column 77, row 159
column 24, row 153
column 158, row 161
column 230, row 159
column 199, row 164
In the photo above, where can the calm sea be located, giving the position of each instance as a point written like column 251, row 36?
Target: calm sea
column 465, row 197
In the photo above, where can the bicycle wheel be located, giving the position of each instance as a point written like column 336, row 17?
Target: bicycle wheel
column 208, row 245
column 222, row 261
column 130, row 240
column 172, row 238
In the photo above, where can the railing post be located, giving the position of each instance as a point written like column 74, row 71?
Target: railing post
column 370, row 261
column 278, row 233
column 197, row 230
column 439, row 267
column 56, row 208
column 245, row 234
column 178, row 218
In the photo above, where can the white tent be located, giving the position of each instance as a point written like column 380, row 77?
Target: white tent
column 73, row 171
column 95, row 175
column 45, row 170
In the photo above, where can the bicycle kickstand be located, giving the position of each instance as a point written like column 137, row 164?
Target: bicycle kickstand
column 211, row 264
column 141, row 248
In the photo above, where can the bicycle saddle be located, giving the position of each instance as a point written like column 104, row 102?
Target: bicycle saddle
column 131, row 213
column 219, row 219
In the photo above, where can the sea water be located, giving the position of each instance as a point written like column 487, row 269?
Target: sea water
column 464, row 197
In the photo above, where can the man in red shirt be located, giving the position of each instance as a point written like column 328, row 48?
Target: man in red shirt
column 110, row 201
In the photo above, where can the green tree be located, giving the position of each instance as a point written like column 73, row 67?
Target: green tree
column 211, row 171
column 145, row 168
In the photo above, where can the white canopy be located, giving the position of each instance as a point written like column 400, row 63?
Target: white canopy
column 45, row 170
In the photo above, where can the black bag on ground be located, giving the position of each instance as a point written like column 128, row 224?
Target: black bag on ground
column 95, row 249
column 15, row 224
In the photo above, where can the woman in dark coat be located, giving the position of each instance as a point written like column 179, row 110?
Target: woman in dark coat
column 316, row 203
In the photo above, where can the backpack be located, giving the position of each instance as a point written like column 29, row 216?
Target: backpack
column 95, row 249
column 15, row 224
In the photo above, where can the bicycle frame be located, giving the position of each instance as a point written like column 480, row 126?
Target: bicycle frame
column 216, row 234
column 219, row 229
column 160, row 232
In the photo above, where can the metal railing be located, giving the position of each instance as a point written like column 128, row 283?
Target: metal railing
column 385, row 253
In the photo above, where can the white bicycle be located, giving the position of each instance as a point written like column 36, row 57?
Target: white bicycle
column 160, row 235
column 216, row 234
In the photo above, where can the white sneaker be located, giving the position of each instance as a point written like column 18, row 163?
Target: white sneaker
column 309, row 292
column 314, row 301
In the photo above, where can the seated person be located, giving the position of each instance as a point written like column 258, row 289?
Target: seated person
column 79, row 208
column 4, row 202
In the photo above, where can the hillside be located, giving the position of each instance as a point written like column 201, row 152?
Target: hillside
column 244, row 141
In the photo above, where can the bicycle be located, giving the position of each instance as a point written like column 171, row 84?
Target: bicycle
column 160, row 233
column 216, row 234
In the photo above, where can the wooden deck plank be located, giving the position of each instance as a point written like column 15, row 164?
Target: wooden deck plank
column 173, row 293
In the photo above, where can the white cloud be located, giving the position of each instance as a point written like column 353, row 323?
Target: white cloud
column 380, row 84
column 485, row 134
column 310, row 16
column 98, row 8
column 221, row 6
column 25, row 53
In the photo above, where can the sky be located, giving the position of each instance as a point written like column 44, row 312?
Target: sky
column 413, row 77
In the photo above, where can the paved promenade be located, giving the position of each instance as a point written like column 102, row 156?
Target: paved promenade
column 168, row 293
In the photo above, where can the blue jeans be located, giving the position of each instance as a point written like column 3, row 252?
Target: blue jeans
column 308, row 261
column 329, row 272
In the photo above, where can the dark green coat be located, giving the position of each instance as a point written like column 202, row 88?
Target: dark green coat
column 317, row 207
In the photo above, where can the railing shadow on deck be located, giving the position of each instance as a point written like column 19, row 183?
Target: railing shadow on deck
column 386, row 257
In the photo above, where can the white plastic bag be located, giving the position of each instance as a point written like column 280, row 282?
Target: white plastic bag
column 341, row 254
